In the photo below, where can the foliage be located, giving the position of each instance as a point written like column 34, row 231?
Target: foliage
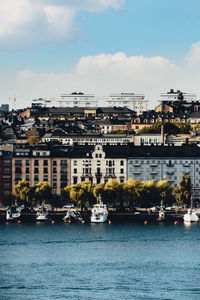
column 33, row 140
column 42, row 192
column 127, row 131
column 23, row 192
column 183, row 192
column 8, row 200
column 82, row 193
column 169, row 128
column 165, row 192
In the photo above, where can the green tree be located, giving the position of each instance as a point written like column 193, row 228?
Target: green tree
column 183, row 192
column 131, row 192
column 165, row 192
column 23, row 192
column 42, row 192
column 114, row 193
column 33, row 140
column 148, row 194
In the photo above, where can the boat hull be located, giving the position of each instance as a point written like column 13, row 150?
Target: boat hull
column 101, row 219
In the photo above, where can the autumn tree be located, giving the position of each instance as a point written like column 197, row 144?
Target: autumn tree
column 183, row 192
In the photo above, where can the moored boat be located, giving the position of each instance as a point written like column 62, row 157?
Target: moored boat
column 191, row 216
column 99, row 212
column 13, row 213
column 42, row 215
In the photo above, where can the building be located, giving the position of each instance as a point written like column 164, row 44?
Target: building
column 42, row 164
column 132, row 101
column 173, row 96
column 88, row 139
column 165, row 163
column 78, row 100
column 5, row 171
column 4, row 108
column 98, row 164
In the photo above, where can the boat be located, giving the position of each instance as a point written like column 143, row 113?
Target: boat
column 72, row 216
column 99, row 212
column 191, row 215
column 42, row 215
column 161, row 214
column 13, row 213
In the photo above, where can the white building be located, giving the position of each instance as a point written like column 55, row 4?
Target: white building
column 165, row 163
column 133, row 101
column 78, row 99
column 98, row 164
column 177, row 95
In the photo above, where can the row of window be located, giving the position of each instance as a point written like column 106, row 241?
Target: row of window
column 19, row 162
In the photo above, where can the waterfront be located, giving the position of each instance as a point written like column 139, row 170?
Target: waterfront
column 99, row 261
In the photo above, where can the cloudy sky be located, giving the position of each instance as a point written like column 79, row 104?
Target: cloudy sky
column 49, row 47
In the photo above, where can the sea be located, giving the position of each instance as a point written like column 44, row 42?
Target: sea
column 99, row 261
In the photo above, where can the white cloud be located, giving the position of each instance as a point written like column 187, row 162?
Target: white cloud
column 43, row 21
column 109, row 73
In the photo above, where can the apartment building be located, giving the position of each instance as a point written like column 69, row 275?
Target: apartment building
column 133, row 101
column 165, row 163
column 42, row 164
column 5, row 173
column 98, row 163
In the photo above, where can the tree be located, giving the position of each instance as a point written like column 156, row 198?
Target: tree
column 131, row 192
column 183, row 192
column 82, row 193
column 33, row 140
column 8, row 200
column 148, row 194
column 165, row 192
column 23, row 192
column 114, row 193
column 42, row 192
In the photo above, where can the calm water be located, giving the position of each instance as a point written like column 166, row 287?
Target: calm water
column 99, row 261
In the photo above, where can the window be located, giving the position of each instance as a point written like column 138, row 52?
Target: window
column 18, row 163
column 45, row 178
column 98, row 180
column 63, row 177
column 75, row 162
column 18, row 170
column 82, row 179
column 54, row 162
column 54, row 170
column 37, row 154
column 75, row 171
column 63, row 162
column 45, row 170
column 121, row 163
column 6, row 161
column 75, row 180
column 36, row 170
column 27, row 170
column 63, row 185
column 36, row 177
column 100, row 155
column 6, row 169
column 27, row 162
column 98, row 170
column 27, row 178
column 36, row 162
column 63, row 170
column 18, row 177
column 121, row 171
column 54, row 177
column 54, row 185
column 45, row 162
column 44, row 154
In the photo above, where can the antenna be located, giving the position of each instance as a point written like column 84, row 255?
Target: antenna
column 14, row 102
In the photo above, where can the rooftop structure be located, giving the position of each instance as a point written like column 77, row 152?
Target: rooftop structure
column 177, row 96
column 133, row 101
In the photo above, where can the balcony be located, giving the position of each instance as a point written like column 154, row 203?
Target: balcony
column 137, row 165
column 136, row 173
column 153, row 165
column 98, row 174
column 170, row 172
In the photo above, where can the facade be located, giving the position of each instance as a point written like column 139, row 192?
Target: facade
column 133, row 101
column 98, row 164
column 42, row 164
column 5, row 173
column 149, row 139
column 165, row 163
column 177, row 96
column 89, row 139
column 78, row 99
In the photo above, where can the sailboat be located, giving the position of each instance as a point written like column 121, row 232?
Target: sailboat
column 191, row 215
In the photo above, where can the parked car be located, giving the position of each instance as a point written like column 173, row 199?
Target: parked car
column 154, row 208
column 69, row 205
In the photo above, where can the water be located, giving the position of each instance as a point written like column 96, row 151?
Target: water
column 99, row 261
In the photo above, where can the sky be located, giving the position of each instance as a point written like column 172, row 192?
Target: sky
column 50, row 47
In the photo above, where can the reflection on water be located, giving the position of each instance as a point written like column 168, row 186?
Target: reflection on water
column 99, row 261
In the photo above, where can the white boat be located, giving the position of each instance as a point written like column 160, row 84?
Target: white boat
column 72, row 216
column 191, row 216
column 13, row 213
column 99, row 212
column 42, row 216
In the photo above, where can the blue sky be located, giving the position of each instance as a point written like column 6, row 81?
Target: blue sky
column 48, row 47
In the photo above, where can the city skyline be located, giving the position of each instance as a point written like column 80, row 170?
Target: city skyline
column 101, row 47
